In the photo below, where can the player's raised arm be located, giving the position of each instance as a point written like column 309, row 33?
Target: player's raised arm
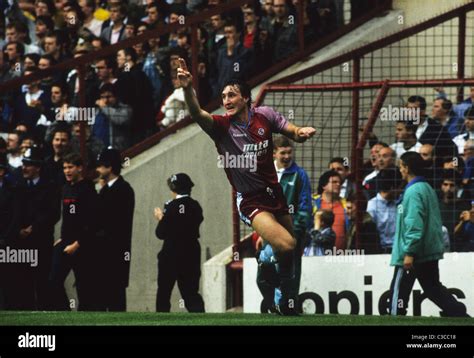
column 199, row 115
column 298, row 134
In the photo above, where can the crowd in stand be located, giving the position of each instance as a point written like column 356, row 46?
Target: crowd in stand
column 445, row 141
column 134, row 93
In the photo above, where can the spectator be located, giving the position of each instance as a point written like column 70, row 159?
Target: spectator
column 368, row 240
column 329, row 189
column 94, row 25
column 461, row 139
column 174, row 107
column 113, row 122
column 442, row 112
column 18, row 31
column 61, row 145
column 116, row 203
column 43, row 25
column 449, row 204
column 430, row 131
column 283, row 33
column 29, row 107
column 105, row 69
column 180, row 258
column 53, row 45
column 373, row 165
column 385, row 160
column 115, row 32
column 348, row 187
column 383, row 209
column 460, row 109
column 464, row 231
column 94, row 145
column 406, row 138
column 135, row 89
column 14, row 52
column 426, row 152
column 233, row 59
column 322, row 236
column 14, row 156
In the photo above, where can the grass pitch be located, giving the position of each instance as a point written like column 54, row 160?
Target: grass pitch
column 11, row 318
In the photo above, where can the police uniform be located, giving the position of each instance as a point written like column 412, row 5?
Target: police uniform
column 116, row 203
column 39, row 207
column 180, row 258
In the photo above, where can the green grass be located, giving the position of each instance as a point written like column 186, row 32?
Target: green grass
column 8, row 318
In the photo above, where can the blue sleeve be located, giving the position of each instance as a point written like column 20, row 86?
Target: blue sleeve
column 302, row 219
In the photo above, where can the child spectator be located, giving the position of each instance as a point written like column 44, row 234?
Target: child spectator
column 322, row 236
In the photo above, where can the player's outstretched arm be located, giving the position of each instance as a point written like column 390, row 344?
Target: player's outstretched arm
column 199, row 115
column 298, row 134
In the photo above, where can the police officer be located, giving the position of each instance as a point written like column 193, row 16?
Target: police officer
column 180, row 258
column 39, row 211
column 75, row 247
column 116, row 203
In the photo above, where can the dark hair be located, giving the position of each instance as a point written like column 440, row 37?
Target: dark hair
column 61, row 127
column 447, row 105
column 415, row 163
column 388, row 179
column 34, row 57
column 62, row 86
column 324, row 179
column 327, row 218
column 50, row 58
column 130, row 51
column 421, row 100
column 47, row 21
column 110, row 62
column 281, row 141
column 74, row 159
column 469, row 112
column 19, row 47
column 383, row 144
column 339, row 160
column 109, row 87
column 49, row 4
column 361, row 203
column 409, row 125
column 452, row 175
column 243, row 87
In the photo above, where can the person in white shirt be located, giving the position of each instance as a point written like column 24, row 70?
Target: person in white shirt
column 406, row 138
column 461, row 139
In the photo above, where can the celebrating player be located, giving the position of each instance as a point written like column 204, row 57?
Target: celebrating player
column 245, row 135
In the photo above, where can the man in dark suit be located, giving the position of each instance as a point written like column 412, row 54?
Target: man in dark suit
column 430, row 131
column 180, row 258
column 116, row 205
column 39, row 203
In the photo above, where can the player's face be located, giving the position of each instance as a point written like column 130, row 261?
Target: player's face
column 284, row 156
column 233, row 101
